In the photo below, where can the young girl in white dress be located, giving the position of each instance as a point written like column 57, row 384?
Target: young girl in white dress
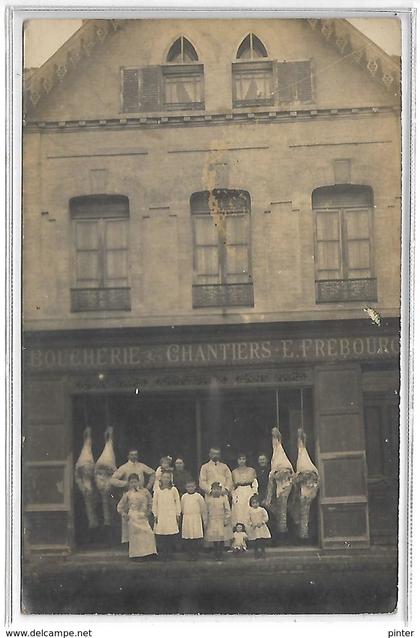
column 165, row 466
column 257, row 526
column 218, row 529
column 166, row 511
column 194, row 519
column 135, row 507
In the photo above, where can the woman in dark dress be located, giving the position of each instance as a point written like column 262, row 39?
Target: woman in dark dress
column 181, row 476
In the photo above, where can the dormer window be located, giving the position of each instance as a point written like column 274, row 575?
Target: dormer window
column 183, row 77
column 176, row 85
column 252, row 74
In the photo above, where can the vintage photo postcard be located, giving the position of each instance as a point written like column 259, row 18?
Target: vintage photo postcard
column 211, row 315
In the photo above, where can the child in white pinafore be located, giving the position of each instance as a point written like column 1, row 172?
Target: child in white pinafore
column 165, row 466
column 258, row 530
column 218, row 529
column 167, row 511
column 194, row 519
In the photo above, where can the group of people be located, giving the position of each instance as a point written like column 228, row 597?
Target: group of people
column 223, row 511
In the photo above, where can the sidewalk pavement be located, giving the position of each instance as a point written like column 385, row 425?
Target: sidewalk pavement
column 287, row 581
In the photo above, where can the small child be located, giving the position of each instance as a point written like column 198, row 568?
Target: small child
column 239, row 539
column 194, row 519
column 165, row 466
column 135, row 507
column 258, row 530
column 166, row 511
column 218, row 529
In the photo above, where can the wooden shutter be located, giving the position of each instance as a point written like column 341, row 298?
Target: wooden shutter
column 236, row 248
column 206, row 251
column 88, row 261
column 303, row 79
column 115, row 249
column 151, row 89
column 130, row 90
column 47, row 473
column 341, row 457
column 356, row 243
column 294, row 81
column 328, row 244
column 285, row 81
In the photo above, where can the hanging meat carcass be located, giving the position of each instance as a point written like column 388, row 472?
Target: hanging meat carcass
column 280, row 482
column 84, row 477
column 305, row 489
column 104, row 468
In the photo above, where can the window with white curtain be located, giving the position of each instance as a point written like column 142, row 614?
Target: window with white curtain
column 100, row 250
column 183, row 77
column 343, row 242
column 222, row 258
column 252, row 74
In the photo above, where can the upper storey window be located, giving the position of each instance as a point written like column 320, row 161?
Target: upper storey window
column 100, row 225
column 222, row 250
column 252, row 74
column 183, row 77
column 343, row 243
column 176, row 85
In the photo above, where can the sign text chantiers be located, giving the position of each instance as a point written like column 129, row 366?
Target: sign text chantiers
column 204, row 354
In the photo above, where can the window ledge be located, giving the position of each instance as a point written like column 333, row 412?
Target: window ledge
column 222, row 295
column 94, row 299
column 342, row 290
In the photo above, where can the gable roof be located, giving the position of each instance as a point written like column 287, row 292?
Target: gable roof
column 346, row 39
column 352, row 43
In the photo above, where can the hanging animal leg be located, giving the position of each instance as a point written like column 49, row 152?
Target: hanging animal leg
column 90, row 509
column 106, row 508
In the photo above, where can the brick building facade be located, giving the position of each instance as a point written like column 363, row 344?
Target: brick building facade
column 211, row 221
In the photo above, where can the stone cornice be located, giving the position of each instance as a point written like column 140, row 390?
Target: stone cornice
column 354, row 45
column 205, row 119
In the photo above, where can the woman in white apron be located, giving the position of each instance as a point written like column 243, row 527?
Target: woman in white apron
column 245, row 485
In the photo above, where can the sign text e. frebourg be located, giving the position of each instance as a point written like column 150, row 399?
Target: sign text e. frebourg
column 174, row 355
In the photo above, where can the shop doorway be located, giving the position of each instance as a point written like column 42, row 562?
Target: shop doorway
column 187, row 426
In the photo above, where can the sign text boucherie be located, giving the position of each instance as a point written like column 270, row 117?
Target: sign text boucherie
column 216, row 354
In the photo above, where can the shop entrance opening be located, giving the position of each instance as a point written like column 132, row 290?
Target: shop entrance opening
column 187, row 426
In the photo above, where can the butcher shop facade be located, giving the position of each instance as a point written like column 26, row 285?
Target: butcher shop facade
column 179, row 391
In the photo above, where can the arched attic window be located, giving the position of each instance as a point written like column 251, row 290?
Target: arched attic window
column 252, row 74
column 183, row 77
column 182, row 52
column 343, row 243
column 251, row 48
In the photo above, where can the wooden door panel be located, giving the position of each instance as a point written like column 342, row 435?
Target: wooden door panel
column 341, row 455
column 47, row 468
